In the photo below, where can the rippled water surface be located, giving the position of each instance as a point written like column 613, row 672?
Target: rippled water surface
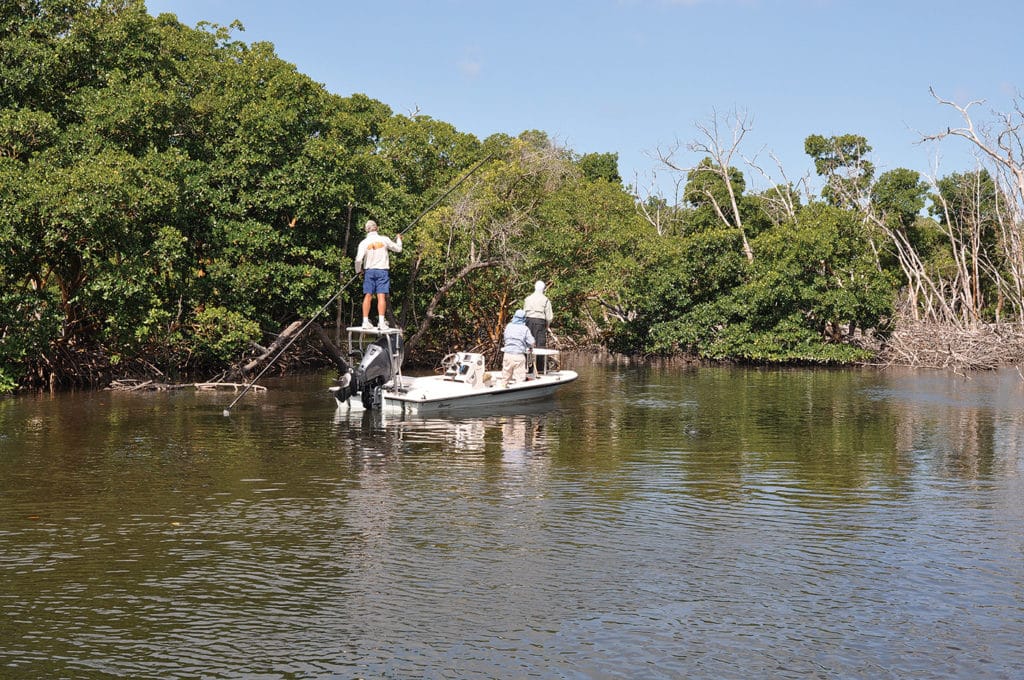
column 655, row 522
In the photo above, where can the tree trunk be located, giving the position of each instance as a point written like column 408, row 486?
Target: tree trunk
column 332, row 351
column 283, row 338
column 435, row 301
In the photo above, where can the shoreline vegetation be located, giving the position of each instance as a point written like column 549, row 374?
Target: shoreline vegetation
column 922, row 346
column 176, row 203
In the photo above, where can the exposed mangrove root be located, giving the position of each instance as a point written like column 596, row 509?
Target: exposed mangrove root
column 932, row 345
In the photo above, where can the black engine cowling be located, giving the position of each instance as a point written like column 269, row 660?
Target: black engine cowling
column 381, row 360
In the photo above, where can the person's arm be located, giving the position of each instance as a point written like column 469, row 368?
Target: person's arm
column 360, row 254
column 396, row 245
column 548, row 313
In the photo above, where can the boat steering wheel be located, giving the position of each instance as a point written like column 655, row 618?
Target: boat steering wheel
column 448, row 362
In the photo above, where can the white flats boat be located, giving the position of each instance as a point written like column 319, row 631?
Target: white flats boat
column 377, row 382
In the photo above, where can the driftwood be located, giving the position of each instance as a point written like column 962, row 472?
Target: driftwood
column 152, row 386
column 930, row 345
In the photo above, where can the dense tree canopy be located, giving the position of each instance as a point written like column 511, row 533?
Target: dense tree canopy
column 172, row 197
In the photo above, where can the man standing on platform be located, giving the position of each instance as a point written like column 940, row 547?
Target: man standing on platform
column 372, row 259
column 538, row 315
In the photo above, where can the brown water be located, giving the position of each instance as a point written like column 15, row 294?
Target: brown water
column 649, row 522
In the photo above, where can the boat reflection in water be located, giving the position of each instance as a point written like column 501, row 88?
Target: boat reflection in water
column 518, row 431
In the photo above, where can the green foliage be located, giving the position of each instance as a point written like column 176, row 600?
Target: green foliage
column 220, row 334
column 148, row 170
column 899, row 196
column 28, row 320
column 813, row 280
column 897, row 199
column 263, row 273
column 675, row 290
column 842, row 161
column 24, row 132
column 175, row 194
column 600, row 166
column 584, row 246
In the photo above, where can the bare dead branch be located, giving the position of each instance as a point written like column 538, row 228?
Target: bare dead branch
column 439, row 296
column 712, row 145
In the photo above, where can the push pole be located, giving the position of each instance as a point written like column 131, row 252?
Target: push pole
column 227, row 411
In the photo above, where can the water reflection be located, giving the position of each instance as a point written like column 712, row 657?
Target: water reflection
column 650, row 521
column 970, row 424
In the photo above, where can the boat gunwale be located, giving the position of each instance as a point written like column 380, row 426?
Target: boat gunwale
column 537, row 384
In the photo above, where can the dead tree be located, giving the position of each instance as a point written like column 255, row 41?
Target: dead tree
column 721, row 153
column 280, row 341
column 655, row 209
column 780, row 200
column 1000, row 147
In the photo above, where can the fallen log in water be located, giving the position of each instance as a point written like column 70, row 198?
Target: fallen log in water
column 151, row 386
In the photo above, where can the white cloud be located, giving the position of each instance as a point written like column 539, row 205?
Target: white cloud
column 470, row 68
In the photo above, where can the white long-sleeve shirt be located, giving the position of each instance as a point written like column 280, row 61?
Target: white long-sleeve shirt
column 373, row 252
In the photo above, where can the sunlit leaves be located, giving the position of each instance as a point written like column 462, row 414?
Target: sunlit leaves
column 842, row 161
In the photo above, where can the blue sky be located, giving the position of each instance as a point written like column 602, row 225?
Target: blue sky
column 636, row 76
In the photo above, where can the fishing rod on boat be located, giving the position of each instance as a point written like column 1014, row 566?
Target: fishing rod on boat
column 295, row 336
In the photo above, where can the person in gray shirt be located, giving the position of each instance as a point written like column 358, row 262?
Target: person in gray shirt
column 538, row 316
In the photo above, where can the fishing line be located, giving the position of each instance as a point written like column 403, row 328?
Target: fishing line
column 227, row 411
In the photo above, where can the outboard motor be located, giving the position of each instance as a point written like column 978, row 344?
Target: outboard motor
column 381, row 361
column 345, row 388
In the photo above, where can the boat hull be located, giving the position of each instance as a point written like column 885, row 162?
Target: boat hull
column 436, row 394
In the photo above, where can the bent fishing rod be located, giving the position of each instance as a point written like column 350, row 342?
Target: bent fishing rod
column 295, row 336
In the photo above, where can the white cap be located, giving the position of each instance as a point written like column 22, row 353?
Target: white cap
column 539, row 287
